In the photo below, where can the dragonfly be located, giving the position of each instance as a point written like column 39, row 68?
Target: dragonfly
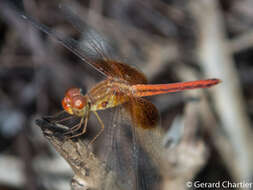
column 123, row 85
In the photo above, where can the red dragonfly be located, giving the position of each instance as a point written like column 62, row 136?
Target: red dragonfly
column 124, row 85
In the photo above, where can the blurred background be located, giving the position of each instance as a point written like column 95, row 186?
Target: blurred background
column 209, row 134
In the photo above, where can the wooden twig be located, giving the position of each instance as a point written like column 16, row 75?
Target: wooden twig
column 89, row 171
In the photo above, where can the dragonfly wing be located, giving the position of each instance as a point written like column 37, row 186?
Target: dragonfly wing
column 97, row 43
column 148, row 134
column 100, row 47
column 144, row 114
column 93, row 54
column 115, row 148
column 69, row 43
column 128, row 73
column 129, row 150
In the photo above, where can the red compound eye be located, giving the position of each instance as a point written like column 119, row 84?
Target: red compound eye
column 79, row 102
column 66, row 105
column 73, row 92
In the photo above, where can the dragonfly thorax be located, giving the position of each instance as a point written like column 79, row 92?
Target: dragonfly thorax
column 75, row 103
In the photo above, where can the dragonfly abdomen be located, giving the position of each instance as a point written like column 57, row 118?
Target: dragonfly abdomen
column 141, row 90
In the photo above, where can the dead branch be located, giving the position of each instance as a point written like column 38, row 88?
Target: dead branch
column 89, row 171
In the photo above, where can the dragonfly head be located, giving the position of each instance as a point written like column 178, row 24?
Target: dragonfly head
column 75, row 103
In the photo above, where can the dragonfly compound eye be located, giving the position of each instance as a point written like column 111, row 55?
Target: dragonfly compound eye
column 79, row 102
column 73, row 92
column 66, row 104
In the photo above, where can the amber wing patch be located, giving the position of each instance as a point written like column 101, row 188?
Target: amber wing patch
column 143, row 113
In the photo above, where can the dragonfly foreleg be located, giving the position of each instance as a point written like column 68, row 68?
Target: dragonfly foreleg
column 79, row 126
column 75, row 128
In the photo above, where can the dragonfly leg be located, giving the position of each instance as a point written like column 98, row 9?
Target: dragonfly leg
column 75, row 128
column 54, row 118
column 100, row 131
column 79, row 126
column 64, row 119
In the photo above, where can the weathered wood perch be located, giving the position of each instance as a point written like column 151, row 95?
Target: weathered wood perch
column 89, row 171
